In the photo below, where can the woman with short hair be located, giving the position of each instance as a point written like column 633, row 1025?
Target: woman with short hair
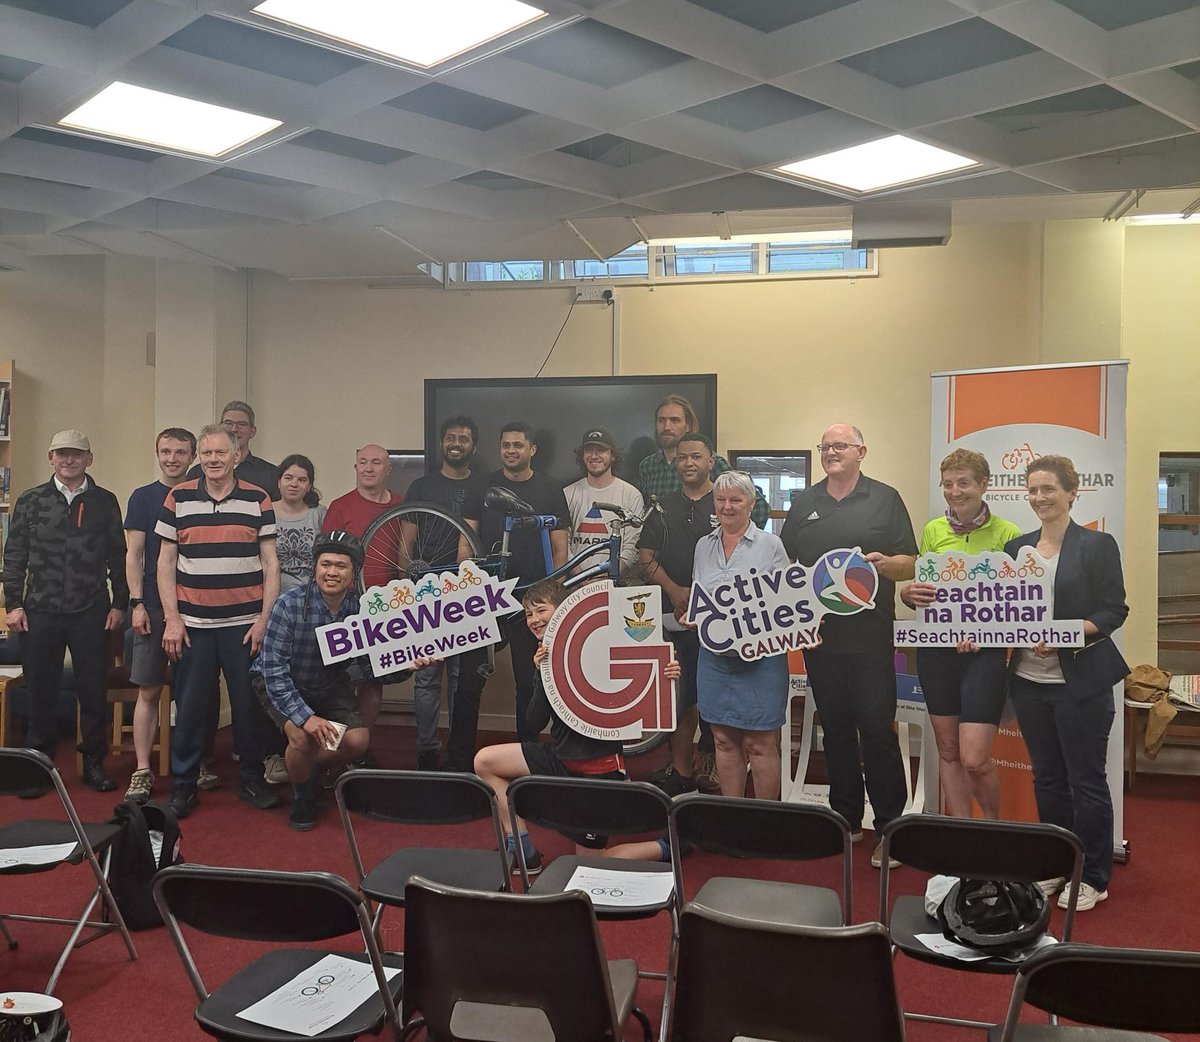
column 744, row 702
column 964, row 686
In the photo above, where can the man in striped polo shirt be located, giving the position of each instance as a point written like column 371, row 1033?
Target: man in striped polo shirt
column 218, row 577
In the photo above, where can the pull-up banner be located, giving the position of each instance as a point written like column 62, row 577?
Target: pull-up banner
column 1012, row 416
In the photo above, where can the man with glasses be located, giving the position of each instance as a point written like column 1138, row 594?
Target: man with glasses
column 238, row 419
column 852, row 675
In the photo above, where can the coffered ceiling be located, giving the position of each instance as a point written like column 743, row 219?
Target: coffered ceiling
column 665, row 112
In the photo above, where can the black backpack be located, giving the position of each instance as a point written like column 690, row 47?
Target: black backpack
column 134, row 861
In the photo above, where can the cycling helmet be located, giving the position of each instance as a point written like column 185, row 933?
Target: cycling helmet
column 339, row 542
column 994, row 916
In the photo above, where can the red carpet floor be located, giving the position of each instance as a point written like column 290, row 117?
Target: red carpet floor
column 108, row 997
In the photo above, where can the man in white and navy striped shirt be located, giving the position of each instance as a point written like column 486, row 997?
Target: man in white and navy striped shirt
column 218, row 576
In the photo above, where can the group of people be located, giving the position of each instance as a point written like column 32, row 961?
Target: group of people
column 229, row 566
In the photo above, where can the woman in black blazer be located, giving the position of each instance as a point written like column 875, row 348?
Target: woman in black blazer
column 1064, row 696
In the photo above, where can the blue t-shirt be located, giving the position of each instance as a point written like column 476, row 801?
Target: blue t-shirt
column 145, row 506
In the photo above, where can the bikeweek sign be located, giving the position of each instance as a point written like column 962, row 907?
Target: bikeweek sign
column 776, row 612
column 990, row 599
column 436, row 616
column 605, row 671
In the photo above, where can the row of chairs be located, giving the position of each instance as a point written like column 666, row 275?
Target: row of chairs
column 795, row 917
column 499, row 966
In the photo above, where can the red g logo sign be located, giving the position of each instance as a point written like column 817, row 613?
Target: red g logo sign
column 603, row 676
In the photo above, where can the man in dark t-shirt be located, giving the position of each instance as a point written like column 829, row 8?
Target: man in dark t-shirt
column 452, row 488
column 852, row 675
column 667, row 549
column 528, row 560
column 175, row 449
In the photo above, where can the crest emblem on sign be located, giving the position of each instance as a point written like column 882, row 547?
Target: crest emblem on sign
column 639, row 627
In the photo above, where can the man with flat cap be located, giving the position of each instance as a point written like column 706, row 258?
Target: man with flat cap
column 65, row 587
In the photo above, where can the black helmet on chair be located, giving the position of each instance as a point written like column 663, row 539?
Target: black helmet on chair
column 339, row 542
column 994, row 916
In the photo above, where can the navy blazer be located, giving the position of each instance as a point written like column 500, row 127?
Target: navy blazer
column 1089, row 585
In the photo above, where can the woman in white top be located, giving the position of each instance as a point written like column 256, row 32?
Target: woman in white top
column 743, row 701
column 298, row 517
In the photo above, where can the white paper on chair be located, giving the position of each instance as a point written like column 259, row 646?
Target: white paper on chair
column 939, row 945
column 612, row 888
column 314, row 1001
column 45, row 854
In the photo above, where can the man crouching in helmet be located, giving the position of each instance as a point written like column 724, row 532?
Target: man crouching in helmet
column 308, row 700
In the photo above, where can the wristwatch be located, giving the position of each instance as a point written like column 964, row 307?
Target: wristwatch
column 135, row 601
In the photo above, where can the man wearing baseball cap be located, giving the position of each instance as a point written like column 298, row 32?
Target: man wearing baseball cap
column 65, row 552
column 598, row 455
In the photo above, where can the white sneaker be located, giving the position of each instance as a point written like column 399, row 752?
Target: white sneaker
column 877, row 858
column 275, row 770
column 1089, row 897
column 1050, row 887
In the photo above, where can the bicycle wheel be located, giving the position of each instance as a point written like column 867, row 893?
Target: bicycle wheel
column 410, row 541
column 648, row 741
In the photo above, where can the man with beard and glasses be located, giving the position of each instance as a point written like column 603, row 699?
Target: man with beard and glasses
column 452, row 488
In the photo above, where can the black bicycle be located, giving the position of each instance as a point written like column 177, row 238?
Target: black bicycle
column 418, row 540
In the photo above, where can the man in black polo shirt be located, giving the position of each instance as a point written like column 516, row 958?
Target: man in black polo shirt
column 527, row 560
column 666, row 551
column 852, row 675
column 452, row 488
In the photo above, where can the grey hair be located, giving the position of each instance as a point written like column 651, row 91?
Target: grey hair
column 736, row 481
column 210, row 430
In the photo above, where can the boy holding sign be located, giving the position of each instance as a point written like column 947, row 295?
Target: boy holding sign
column 569, row 754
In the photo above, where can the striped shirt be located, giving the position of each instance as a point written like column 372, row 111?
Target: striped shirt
column 219, row 576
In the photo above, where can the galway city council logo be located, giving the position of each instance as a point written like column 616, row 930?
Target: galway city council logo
column 845, row 582
column 605, row 671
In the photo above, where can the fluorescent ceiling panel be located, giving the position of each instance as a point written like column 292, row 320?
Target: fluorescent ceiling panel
column 151, row 117
column 885, row 163
column 423, row 34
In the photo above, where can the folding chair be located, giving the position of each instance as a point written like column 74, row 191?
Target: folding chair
column 511, row 967
column 1129, row 990
column 970, row 849
column 278, row 907
column 763, row 829
column 604, row 807
column 739, row 978
column 26, row 772
column 423, row 798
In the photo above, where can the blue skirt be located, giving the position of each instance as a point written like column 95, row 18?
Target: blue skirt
column 751, row 696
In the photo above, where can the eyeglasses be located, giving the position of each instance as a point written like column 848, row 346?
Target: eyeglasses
column 835, row 446
column 236, row 425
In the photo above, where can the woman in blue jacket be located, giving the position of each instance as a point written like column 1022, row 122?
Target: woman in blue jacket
column 1064, row 696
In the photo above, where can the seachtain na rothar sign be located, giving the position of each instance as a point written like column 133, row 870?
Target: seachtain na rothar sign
column 433, row 617
column 758, row 615
column 991, row 600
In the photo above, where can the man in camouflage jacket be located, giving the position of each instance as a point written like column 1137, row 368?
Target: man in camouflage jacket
column 65, row 550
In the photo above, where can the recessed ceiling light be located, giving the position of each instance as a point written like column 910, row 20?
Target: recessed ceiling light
column 885, row 163
column 422, row 34
column 150, row 117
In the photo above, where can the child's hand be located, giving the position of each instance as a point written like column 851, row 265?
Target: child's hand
column 539, row 656
column 673, row 671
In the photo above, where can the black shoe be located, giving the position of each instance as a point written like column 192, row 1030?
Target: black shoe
column 183, row 800
column 94, row 775
column 673, row 783
column 367, row 762
column 427, row 760
column 303, row 817
column 258, row 795
column 533, row 863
